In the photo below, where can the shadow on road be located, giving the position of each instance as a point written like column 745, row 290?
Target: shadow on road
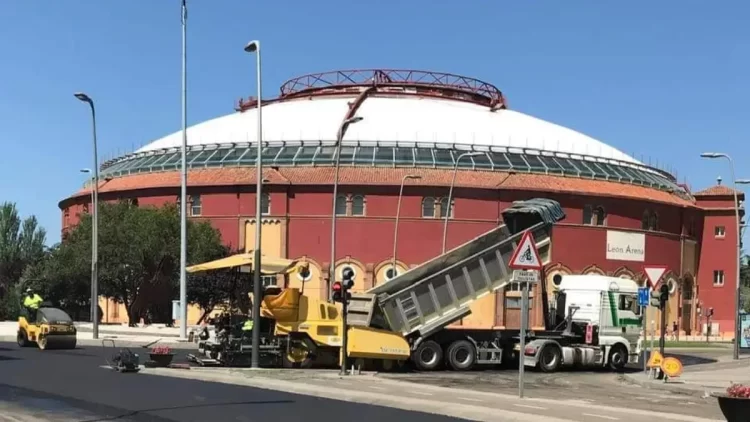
column 103, row 413
column 163, row 409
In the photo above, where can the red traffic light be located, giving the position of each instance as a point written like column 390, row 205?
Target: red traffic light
column 337, row 286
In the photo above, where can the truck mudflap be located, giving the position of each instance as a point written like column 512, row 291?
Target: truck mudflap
column 440, row 291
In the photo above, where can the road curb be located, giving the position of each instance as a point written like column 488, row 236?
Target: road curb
column 119, row 342
column 654, row 385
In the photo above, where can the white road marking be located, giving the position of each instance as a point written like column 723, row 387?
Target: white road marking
column 612, row 418
column 378, row 388
column 528, row 406
column 468, row 399
column 421, row 393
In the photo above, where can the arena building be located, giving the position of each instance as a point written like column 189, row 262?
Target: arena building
column 413, row 129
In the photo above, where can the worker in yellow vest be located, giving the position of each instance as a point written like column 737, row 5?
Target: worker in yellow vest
column 32, row 302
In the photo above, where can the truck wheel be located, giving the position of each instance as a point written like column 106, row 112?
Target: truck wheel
column 22, row 339
column 618, row 357
column 428, row 356
column 550, row 358
column 461, row 355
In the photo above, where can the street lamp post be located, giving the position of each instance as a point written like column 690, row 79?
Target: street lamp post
column 398, row 212
column 337, row 152
column 183, row 183
column 450, row 193
column 254, row 47
column 737, row 304
column 94, row 223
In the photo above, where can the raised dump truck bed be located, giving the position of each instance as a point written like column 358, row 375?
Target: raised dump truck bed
column 427, row 298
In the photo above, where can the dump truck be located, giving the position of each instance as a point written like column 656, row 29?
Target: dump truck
column 421, row 303
column 408, row 318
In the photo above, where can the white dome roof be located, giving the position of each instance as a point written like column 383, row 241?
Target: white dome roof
column 395, row 120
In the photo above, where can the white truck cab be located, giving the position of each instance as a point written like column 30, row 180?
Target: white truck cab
column 608, row 303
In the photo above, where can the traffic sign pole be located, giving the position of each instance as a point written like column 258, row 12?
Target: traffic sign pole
column 522, row 345
column 527, row 265
column 645, row 334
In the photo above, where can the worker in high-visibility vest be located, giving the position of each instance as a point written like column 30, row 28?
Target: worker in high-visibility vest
column 32, row 302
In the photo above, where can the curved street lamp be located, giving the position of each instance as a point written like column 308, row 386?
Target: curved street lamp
column 398, row 212
column 450, row 193
column 94, row 222
column 254, row 47
column 339, row 138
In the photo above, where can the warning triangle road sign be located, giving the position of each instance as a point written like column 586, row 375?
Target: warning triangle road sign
column 654, row 274
column 526, row 256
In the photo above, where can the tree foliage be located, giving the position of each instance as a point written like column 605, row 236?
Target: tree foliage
column 21, row 245
column 139, row 258
column 210, row 289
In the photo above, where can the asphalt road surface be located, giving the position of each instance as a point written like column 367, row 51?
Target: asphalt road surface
column 70, row 385
column 600, row 387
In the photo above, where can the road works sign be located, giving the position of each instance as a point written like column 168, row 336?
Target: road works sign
column 526, row 257
column 654, row 273
column 672, row 367
column 656, row 360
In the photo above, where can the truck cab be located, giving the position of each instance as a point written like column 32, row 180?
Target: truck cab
column 609, row 305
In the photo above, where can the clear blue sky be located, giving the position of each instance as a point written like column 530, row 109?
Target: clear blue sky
column 660, row 79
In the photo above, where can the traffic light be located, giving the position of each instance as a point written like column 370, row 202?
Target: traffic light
column 341, row 288
column 663, row 295
column 338, row 292
column 348, row 275
column 710, row 312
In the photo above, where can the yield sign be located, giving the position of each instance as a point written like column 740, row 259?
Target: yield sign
column 654, row 274
column 526, row 256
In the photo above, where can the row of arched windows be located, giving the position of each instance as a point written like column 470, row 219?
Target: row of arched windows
column 436, row 207
column 350, row 205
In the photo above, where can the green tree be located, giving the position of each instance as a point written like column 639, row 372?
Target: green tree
column 21, row 244
column 63, row 279
column 139, row 255
column 210, row 289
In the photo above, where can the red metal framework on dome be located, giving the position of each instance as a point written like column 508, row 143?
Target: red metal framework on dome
column 390, row 81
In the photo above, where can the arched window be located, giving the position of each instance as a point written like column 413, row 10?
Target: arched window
column 341, row 205
column 587, row 214
column 599, row 216
column 428, row 207
column 653, row 221
column 265, row 203
column 445, row 209
column 645, row 220
column 196, row 207
column 358, row 205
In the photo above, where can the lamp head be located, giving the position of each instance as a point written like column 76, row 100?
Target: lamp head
column 711, row 155
column 252, row 46
column 85, row 170
column 83, row 97
column 354, row 119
